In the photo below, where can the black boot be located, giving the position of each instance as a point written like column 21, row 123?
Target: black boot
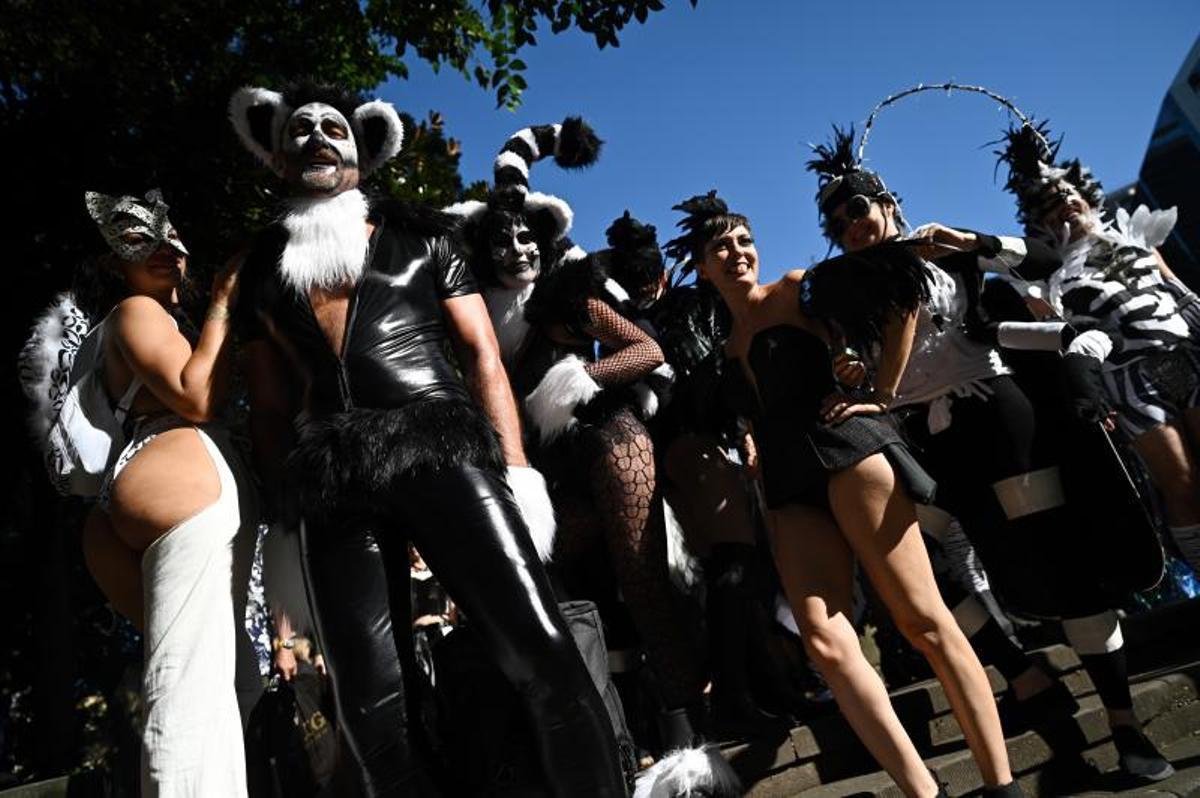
column 733, row 607
column 1010, row 790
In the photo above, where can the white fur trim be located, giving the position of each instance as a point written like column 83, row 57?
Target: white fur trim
column 392, row 142
column 683, row 566
column 327, row 241
column 509, row 158
column 576, row 252
column 46, row 358
column 468, row 209
column 1093, row 343
column 506, row 307
column 689, row 772
column 552, row 403
column 240, row 104
column 646, row 398
column 1095, row 634
column 563, row 216
column 529, row 489
column 525, row 134
column 616, row 290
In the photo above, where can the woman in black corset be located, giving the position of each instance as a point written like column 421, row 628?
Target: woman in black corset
column 838, row 493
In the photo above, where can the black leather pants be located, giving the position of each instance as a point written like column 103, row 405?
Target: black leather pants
column 466, row 525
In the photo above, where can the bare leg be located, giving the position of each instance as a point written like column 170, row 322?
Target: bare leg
column 170, row 480
column 1166, row 453
column 879, row 522
column 116, row 567
column 817, row 568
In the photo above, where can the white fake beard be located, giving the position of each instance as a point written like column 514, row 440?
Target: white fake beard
column 327, row 241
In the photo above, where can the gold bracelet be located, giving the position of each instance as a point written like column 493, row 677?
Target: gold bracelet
column 218, row 312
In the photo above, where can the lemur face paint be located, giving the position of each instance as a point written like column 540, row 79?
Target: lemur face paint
column 134, row 228
column 320, row 155
column 516, row 255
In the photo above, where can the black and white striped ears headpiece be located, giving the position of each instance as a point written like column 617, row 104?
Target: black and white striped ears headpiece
column 573, row 145
column 259, row 116
column 1034, row 177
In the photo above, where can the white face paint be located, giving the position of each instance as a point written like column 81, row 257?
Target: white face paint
column 319, row 151
column 516, row 255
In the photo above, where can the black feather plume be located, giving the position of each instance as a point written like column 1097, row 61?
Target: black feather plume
column 835, row 158
column 1025, row 149
column 635, row 260
column 699, row 210
column 578, row 144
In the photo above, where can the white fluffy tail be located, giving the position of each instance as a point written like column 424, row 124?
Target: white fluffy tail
column 529, row 489
column 552, row 403
column 684, row 567
column 689, row 773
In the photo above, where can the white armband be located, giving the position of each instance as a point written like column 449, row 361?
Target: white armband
column 1044, row 336
column 1092, row 343
column 1012, row 253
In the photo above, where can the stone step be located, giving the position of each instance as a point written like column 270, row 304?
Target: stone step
column 828, row 749
column 1167, row 704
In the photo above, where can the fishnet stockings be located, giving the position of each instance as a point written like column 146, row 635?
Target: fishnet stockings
column 630, row 511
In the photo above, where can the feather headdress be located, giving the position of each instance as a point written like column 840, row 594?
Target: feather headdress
column 840, row 175
column 701, row 213
column 1035, row 176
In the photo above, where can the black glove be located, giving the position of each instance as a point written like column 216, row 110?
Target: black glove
column 1085, row 389
column 979, row 327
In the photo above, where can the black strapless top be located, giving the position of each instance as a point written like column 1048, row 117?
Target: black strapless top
column 794, row 373
column 395, row 348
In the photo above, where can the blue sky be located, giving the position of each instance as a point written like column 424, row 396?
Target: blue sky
column 727, row 96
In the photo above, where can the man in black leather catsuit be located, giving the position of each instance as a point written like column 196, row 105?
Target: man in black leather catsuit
column 388, row 444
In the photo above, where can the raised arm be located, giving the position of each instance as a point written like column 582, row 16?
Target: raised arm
column 632, row 353
column 191, row 383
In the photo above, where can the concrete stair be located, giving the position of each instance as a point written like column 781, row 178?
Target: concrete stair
column 823, row 758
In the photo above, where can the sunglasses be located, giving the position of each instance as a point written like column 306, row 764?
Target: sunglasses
column 853, row 209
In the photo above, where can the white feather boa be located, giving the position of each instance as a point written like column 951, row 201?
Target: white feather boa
column 327, row 241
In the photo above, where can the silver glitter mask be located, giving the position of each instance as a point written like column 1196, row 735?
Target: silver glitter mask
column 134, row 228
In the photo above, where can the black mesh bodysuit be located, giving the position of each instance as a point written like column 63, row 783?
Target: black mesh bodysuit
column 603, row 475
column 391, row 449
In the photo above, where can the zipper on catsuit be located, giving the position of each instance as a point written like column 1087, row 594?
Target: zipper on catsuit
column 351, row 315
